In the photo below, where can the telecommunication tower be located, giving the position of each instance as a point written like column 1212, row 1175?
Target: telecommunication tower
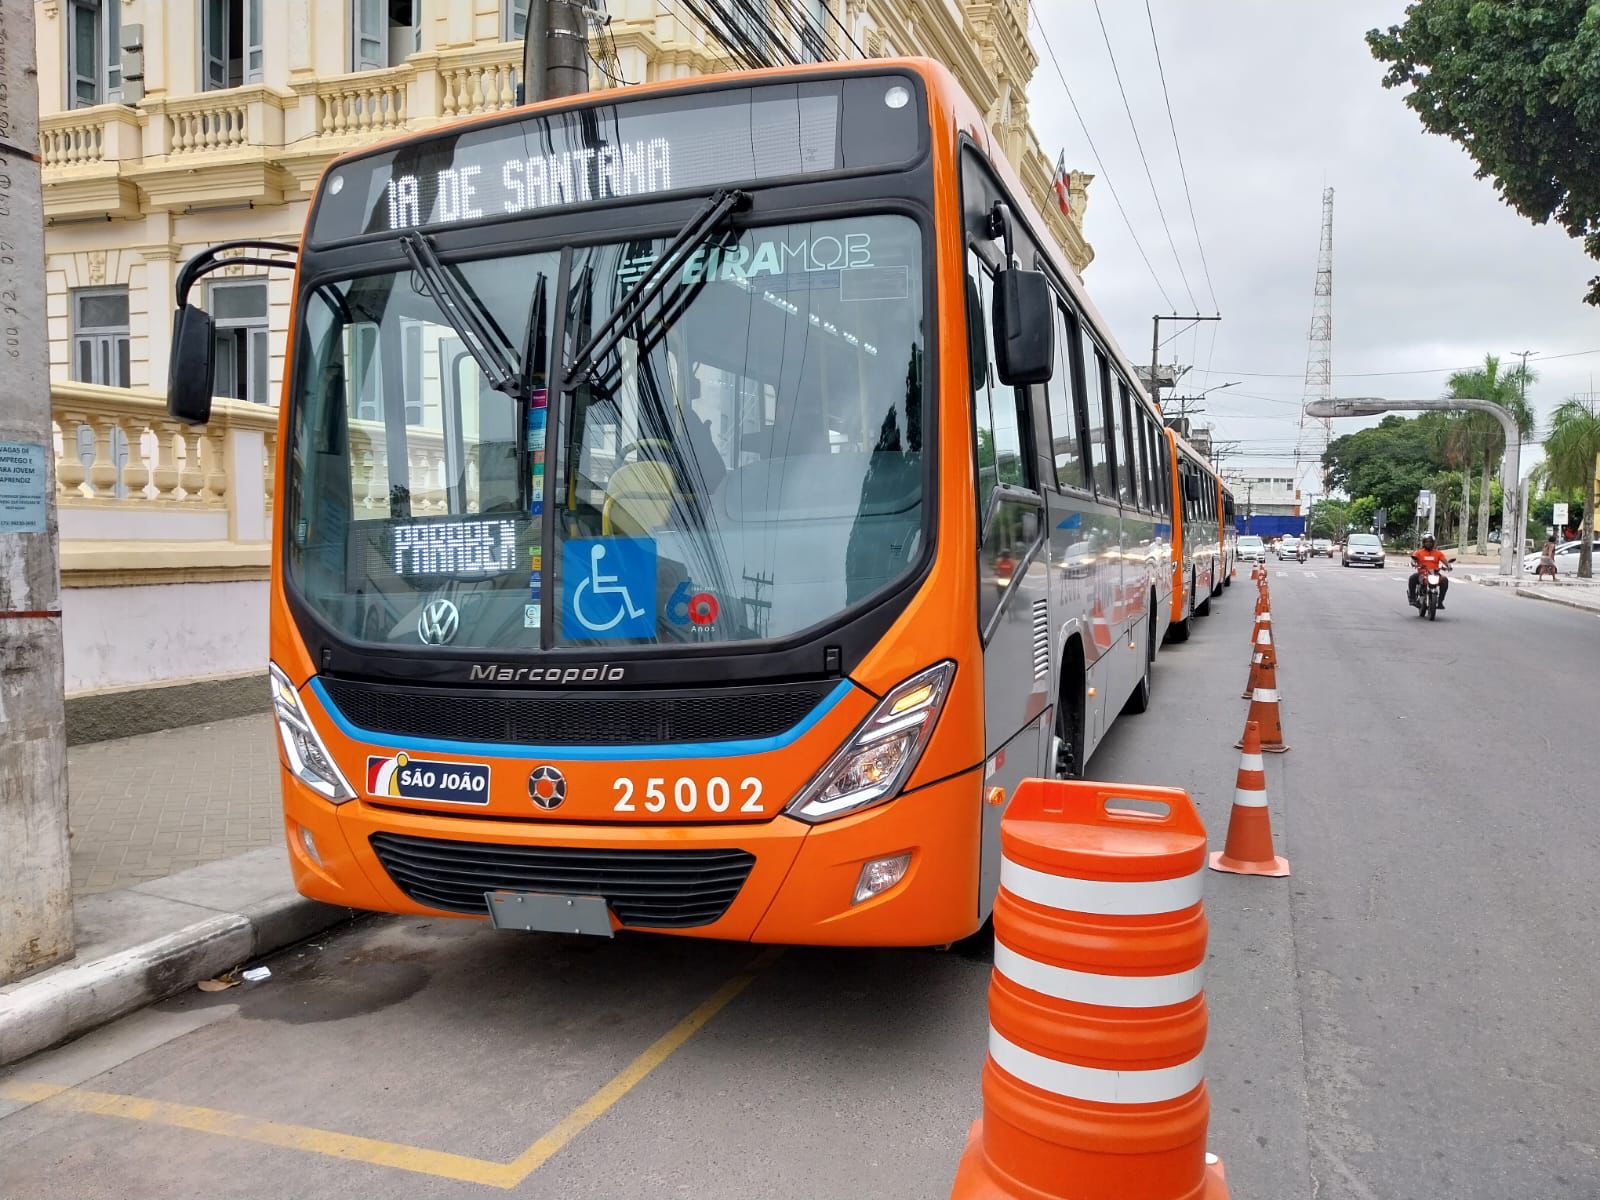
column 1315, row 433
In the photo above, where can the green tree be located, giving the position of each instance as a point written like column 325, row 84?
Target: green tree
column 1571, row 452
column 1485, row 439
column 1391, row 462
column 1514, row 83
column 1329, row 519
column 1363, row 511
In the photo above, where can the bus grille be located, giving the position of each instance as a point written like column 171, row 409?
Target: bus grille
column 647, row 889
column 724, row 715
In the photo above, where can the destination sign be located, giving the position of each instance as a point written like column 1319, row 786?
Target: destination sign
column 623, row 151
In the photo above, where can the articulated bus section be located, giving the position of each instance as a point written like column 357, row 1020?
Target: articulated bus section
column 766, row 523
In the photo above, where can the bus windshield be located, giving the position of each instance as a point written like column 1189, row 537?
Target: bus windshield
column 745, row 462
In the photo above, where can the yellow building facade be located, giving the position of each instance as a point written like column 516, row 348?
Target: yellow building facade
column 231, row 108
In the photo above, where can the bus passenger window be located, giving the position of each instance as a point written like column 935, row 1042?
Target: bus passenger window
column 1065, row 403
column 1101, row 436
column 1128, row 446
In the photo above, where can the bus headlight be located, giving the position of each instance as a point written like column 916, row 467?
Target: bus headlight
column 308, row 758
column 870, row 768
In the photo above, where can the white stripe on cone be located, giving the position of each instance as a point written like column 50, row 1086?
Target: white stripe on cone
column 1084, row 987
column 1249, row 798
column 1265, row 695
column 1093, row 1083
column 1137, row 898
column 1252, row 762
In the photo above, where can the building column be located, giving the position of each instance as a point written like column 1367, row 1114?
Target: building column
column 35, row 871
column 160, row 275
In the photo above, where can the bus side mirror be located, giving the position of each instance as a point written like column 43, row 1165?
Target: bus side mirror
column 1191, row 487
column 191, row 368
column 1024, row 327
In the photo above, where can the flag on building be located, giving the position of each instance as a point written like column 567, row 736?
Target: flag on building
column 1063, row 184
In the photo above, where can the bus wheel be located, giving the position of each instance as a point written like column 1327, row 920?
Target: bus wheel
column 1203, row 609
column 1139, row 701
column 1067, row 745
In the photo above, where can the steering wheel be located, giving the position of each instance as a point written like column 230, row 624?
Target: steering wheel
column 639, row 447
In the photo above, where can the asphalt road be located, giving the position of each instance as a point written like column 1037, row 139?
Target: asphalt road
column 1411, row 1014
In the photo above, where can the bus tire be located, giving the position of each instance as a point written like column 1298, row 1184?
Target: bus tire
column 1204, row 607
column 1178, row 631
column 1139, row 700
column 1071, row 707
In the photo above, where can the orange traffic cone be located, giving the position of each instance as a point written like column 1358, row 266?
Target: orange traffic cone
column 1263, row 673
column 1262, row 641
column 1264, row 715
column 1263, row 621
column 1248, row 850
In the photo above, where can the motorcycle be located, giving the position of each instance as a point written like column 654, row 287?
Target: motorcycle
column 1426, row 598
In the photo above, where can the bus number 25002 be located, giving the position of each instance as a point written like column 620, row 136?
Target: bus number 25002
column 687, row 795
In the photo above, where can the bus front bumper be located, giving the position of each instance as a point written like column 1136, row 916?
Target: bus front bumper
column 799, row 889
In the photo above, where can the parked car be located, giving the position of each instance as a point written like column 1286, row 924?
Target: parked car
column 1566, row 558
column 1321, row 548
column 1251, row 549
column 1363, row 550
column 1289, row 547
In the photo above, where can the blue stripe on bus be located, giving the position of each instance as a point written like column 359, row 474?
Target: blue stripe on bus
column 586, row 753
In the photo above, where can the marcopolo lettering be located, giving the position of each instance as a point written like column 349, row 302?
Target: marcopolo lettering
column 495, row 673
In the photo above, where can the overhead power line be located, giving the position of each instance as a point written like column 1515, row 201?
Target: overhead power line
column 1139, row 145
column 1099, row 162
column 1183, row 172
column 1543, row 358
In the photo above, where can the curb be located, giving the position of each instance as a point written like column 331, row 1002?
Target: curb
column 1556, row 598
column 75, row 997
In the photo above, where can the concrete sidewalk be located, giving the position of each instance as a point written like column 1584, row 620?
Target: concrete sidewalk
column 1581, row 594
column 179, row 873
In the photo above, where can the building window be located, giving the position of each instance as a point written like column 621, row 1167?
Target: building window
column 813, row 39
column 100, row 336
column 386, row 32
column 94, row 57
column 230, row 43
column 513, row 20
column 239, row 310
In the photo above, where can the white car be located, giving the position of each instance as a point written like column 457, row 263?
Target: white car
column 1289, row 547
column 1566, row 558
column 1251, row 548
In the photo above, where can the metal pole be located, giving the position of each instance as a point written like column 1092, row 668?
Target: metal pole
column 535, row 84
column 1155, row 349
column 1510, row 485
column 566, row 49
column 35, row 876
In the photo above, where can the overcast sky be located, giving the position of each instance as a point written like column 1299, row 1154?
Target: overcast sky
column 1275, row 99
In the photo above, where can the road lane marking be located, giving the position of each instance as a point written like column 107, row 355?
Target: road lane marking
column 416, row 1159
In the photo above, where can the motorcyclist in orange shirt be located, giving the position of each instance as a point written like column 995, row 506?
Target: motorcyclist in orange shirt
column 1429, row 559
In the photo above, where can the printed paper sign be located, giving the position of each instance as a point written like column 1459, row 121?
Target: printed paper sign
column 24, row 479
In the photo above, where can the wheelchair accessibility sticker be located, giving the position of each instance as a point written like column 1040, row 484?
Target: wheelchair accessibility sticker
column 609, row 588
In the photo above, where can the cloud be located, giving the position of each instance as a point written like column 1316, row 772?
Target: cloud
column 1273, row 101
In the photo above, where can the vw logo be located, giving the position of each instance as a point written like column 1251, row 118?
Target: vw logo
column 439, row 621
column 547, row 787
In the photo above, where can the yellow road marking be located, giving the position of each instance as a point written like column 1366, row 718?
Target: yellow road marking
column 416, row 1159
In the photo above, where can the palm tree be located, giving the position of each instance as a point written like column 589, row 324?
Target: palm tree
column 1482, row 430
column 1572, row 455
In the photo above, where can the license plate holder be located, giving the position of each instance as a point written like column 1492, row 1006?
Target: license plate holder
column 547, row 912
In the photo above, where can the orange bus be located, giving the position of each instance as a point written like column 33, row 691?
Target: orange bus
column 1202, row 547
column 700, row 505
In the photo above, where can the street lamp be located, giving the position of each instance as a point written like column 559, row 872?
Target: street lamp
column 1511, row 533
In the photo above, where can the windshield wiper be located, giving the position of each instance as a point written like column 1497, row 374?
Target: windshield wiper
column 490, row 349
column 614, row 328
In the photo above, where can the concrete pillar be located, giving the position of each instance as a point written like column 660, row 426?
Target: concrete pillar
column 35, row 879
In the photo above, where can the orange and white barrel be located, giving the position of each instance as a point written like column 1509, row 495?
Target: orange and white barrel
column 1094, row 1087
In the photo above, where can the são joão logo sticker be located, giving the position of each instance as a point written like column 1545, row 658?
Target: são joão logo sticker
column 412, row 778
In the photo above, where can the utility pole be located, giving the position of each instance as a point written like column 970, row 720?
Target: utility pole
column 1155, row 348
column 35, row 879
column 566, row 48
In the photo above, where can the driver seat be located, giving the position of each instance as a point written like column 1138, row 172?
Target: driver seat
column 639, row 497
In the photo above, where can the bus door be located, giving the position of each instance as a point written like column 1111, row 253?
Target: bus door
column 1013, row 576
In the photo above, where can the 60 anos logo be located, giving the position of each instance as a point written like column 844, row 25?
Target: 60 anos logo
column 689, row 606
